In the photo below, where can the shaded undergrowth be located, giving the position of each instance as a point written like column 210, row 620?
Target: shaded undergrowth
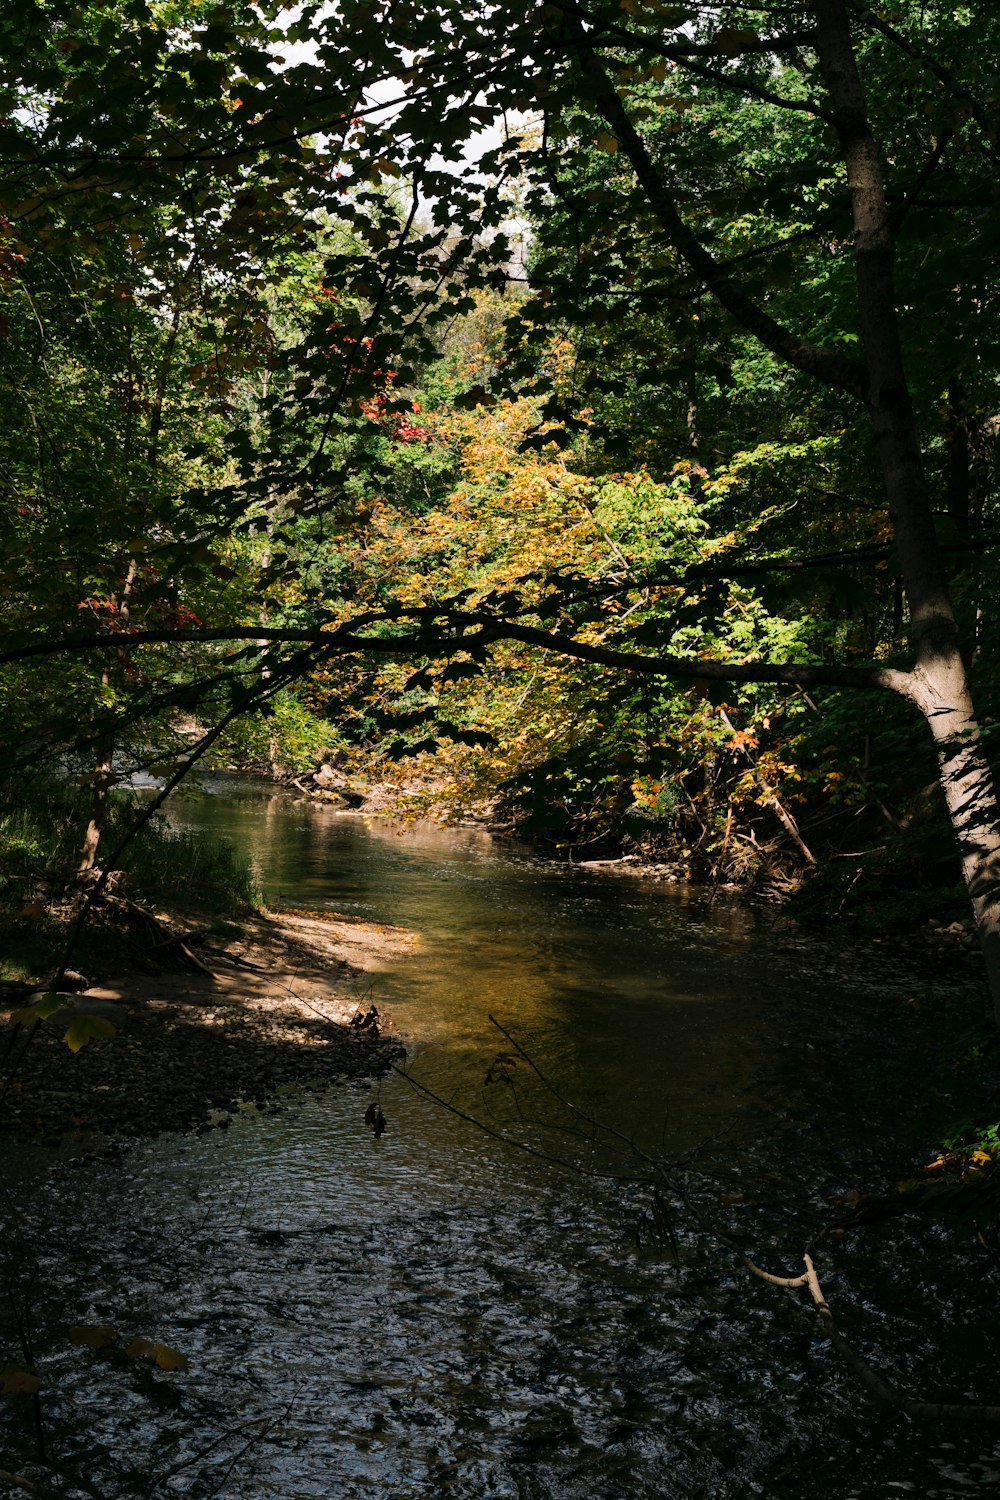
column 42, row 824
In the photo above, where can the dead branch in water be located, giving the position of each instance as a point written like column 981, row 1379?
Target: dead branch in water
column 879, row 1389
column 664, row 1174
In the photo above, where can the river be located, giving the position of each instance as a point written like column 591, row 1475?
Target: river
column 436, row 1313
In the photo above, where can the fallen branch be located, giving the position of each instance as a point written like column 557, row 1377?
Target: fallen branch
column 153, row 935
column 756, row 1270
column 665, row 1174
column 880, row 1390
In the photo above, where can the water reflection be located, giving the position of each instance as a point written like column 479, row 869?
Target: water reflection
column 655, row 1005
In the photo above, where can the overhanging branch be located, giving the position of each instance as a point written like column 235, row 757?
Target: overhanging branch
column 448, row 631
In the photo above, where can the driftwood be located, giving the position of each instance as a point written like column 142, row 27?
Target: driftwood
column 881, row 1391
column 150, row 935
column 664, row 1175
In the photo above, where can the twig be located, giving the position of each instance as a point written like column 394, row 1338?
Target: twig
column 574, row 1109
column 217, row 1442
column 511, row 1140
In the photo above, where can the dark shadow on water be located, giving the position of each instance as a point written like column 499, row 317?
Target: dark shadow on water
column 453, row 1319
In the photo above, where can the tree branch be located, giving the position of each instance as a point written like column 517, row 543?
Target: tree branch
column 822, row 364
column 983, row 119
column 682, row 54
column 459, row 630
column 879, row 1388
column 794, row 674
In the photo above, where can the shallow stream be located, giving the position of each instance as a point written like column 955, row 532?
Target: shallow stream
column 436, row 1313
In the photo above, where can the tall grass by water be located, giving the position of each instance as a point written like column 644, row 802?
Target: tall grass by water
column 42, row 824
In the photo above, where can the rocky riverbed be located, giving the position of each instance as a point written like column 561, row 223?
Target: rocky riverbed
column 286, row 1001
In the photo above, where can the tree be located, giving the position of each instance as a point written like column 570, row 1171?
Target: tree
column 937, row 682
column 879, row 124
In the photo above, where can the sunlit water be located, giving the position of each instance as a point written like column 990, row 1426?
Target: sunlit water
column 438, row 1314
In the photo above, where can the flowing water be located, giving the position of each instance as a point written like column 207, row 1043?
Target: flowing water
column 437, row 1313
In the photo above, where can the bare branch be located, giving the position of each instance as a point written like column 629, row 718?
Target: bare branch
column 790, row 1281
column 876, row 1385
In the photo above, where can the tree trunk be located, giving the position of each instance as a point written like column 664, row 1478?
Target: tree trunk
column 942, row 694
column 102, row 780
column 941, row 687
column 103, row 774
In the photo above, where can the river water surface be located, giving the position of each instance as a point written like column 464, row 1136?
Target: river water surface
column 437, row 1313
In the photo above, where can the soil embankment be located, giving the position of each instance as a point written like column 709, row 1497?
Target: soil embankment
column 275, row 1006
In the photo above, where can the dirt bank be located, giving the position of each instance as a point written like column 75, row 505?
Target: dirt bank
column 274, row 1006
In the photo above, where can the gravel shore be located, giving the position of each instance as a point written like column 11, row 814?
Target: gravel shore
column 275, row 1008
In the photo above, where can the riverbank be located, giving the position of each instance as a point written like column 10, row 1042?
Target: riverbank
column 285, row 1000
column 867, row 901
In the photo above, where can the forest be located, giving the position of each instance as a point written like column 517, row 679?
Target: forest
column 611, row 443
column 577, row 421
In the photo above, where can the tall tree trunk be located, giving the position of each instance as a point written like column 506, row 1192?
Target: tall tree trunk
column 938, row 684
column 941, row 688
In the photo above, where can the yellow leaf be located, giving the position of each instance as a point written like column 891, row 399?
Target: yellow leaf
column 84, row 1029
column 729, row 39
column 23, row 1484
column 91, row 1338
column 15, row 1380
column 160, row 1354
column 169, row 1359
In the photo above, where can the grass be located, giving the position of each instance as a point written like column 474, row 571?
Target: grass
column 189, row 873
column 41, row 831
